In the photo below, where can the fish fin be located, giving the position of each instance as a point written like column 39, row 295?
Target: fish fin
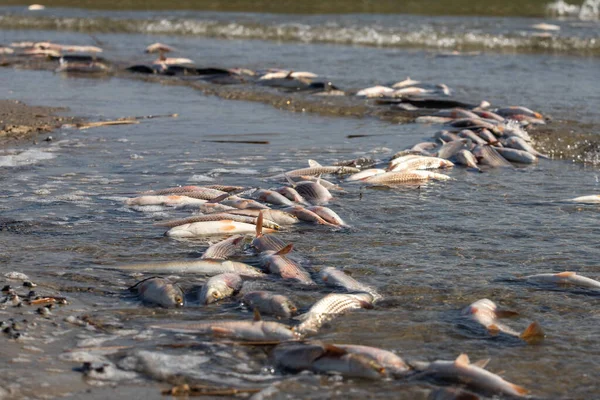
column 366, row 305
column 493, row 329
column 313, row 164
column 566, row 274
column 134, row 288
column 533, row 332
column 290, row 180
column 474, row 310
column 462, row 360
column 285, row 250
column 219, row 199
column 519, row 389
column 237, row 240
column 257, row 316
column 333, row 350
column 482, row 363
column 319, row 179
column 259, row 224
column 220, row 331
column 506, row 313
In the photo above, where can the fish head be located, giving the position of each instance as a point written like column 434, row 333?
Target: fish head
column 213, row 292
column 284, row 306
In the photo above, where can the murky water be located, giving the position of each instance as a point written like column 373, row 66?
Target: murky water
column 430, row 251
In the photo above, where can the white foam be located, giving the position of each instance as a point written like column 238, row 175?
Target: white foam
column 27, row 157
column 201, row 178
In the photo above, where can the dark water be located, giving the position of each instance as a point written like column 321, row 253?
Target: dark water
column 429, row 251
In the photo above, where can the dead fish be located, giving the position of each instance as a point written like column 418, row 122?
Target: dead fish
column 291, row 194
column 487, row 136
column 486, row 155
column 275, row 262
column 360, row 162
column 514, row 129
column 486, row 114
column 211, row 228
column 313, row 192
column 306, row 215
column 455, row 113
column 420, row 163
column 565, row 278
column 316, row 169
column 163, row 200
column 200, row 266
column 466, row 158
column 449, row 150
column 591, row 199
column 239, row 203
column 392, row 363
column 473, row 123
column 469, row 134
column 277, row 216
column 405, row 83
column 430, row 119
column 254, row 331
column 270, row 303
column 272, row 197
column 374, row 91
column 325, row 183
column 446, row 136
column 424, row 147
column 285, row 74
column 210, row 208
column 507, row 112
column 337, row 278
column 225, row 188
column 209, row 193
column 406, row 177
column 217, row 217
column 262, row 242
column 159, row 291
column 486, row 313
column 159, row 48
column 219, row 287
column 516, row 142
column 365, row 174
column 330, row 307
column 327, row 214
column 515, row 155
column 224, row 249
column 349, row 365
column 462, row 371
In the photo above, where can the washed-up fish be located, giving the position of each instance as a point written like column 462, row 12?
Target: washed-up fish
column 565, row 278
column 508, row 112
column 327, row 214
column 449, row 150
column 452, row 394
column 402, row 156
column 291, row 194
column 219, row 287
column 326, row 184
column 206, row 194
column 514, row 129
column 254, row 331
column 241, row 204
column 200, row 266
column 159, row 48
column 424, row 147
column 159, row 291
column 472, row 375
column 374, row 91
column 272, row 197
column 516, row 142
column 211, row 228
column 330, row 307
column 83, row 67
column 514, row 155
column 67, row 48
column 456, row 113
column 591, row 199
column 306, row 215
column 446, row 136
column 486, row 313
column 487, row 136
column 431, row 119
column 225, row 188
column 284, row 74
column 224, row 249
column 326, row 358
column 360, row 162
column 316, row 169
column 486, row 114
column 406, row 177
column 163, row 200
column 277, row 216
column 405, row 83
column 217, row 217
column 275, row 262
column 210, row 208
column 365, row 174
column 337, row 278
column 486, row 155
column 474, row 123
column 466, row 158
column 265, row 242
column 270, row 304
column 313, row 192
column 392, row 363
column 469, row 134
column 420, row 163
column 210, row 193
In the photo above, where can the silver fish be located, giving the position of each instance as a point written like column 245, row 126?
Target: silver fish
column 486, row 155
column 313, row 192
column 366, row 173
column 393, row 364
column 240, row 330
column 219, row 287
column 160, row 291
column 415, row 176
column 262, row 242
column 211, row 228
column 456, row 113
column 325, row 183
column 330, row 307
column 225, row 188
column 430, row 119
column 327, row 214
column 566, row 278
column 277, row 263
column 291, row 194
column 515, row 155
column 420, row 163
column 317, row 169
column 424, row 147
column 224, row 249
column 446, row 136
column 486, row 114
column 270, row 303
column 516, row 142
column 242, row 204
column 272, row 197
column 469, row 134
column 278, row 216
column 449, row 150
column 217, row 217
column 350, row 365
column 183, row 189
column 203, row 267
column 306, row 215
column 465, row 157
column 590, row 199
column 462, row 371
column 337, row 278
column 487, row 136
column 167, row 200
column 473, row 123
column 507, row 112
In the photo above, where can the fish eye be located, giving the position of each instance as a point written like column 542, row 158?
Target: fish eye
column 179, row 300
column 215, row 295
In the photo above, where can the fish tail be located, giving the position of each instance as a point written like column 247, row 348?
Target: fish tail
column 519, row 389
column 532, row 333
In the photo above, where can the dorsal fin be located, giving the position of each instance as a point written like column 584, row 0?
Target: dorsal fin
column 534, row 332
column 289, row 75
column 319, row 179
column 285, row 250
column 220, row 198
column 313, row 164
column 259, row 224
column 482, row 363
column 566, row 274
column 257, row 316
column 290, row 180
column 333, row 350
column 506, row 313
column 462, row 360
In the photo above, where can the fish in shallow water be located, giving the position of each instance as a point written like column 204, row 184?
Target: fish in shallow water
column 415, row 176
column 565, row 278
column 277, row 263
column 473, row 376
column 338, row 278
column 591, row 199
column 304, row 214
column 219, row 287
column 313, row 192
column 171, row 200
column 291, row 194
column 211, row 228
column 224, row 249
column 208, row 193
column 159, row 291
column 217, row 217
column 270, row 304
column 392, row 363
column 365, row 174
column 486, row 313
column 241, row 330
column 200, row 267
column 466, row 158
column 514, row 155
column 327, row 214
column 516, row 142
column 272, row 197
column 419, row 163
column 265, row 242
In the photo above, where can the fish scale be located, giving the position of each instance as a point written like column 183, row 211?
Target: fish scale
column 330, row 307
column 217, row 217
column 224, row 249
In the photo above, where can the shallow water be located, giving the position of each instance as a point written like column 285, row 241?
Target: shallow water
column 430, row 251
